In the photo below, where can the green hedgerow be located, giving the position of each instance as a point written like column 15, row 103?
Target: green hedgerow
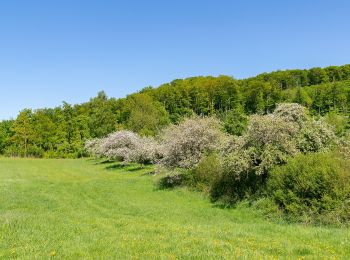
column 313, row 188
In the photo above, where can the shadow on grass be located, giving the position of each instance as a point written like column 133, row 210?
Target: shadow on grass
column 223, row 205
column 128, row 167
column 136, row 168
column 97, row 161
column 148, row 173
column 116, row 166
column 105, row 162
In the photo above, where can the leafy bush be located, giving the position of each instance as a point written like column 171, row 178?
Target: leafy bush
column 339, row 122
column 184, row 145
column 313, row 188
column 237, row 180
column 207, row 171
column 234, row 121
column 32, row 151
column 269, row 140
column 172, row 179
column 268, row 208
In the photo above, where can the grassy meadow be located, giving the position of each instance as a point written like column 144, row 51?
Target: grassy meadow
column 70, row 209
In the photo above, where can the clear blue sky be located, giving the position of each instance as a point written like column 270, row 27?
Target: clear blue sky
column 67, row 50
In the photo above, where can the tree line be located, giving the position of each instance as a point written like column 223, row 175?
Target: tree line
column 287, row 163
column 62, row 131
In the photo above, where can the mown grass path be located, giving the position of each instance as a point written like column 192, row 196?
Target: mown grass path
column 71, row 209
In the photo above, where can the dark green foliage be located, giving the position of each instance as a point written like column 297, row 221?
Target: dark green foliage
column 5, row 134
column 207, row 172
column 234, row 121
column 172, row 179
column 313, row 188
column 228, row 188
column 339, row 122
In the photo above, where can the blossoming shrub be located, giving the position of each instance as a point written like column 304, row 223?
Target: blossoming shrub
column 315, row 136
column 313, row 188
column 146, row 151
column 269, row 140
column 184, row 144
column 124, row 146
column 291, row 112
column 119, row 145
column 92, row 147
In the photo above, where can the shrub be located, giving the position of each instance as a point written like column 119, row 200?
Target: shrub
column 313, row 188
column 269, row 140
column 146, row 151
column 207, row 171
column 184, row 145
column 93, row 147
column 118, row 145
column 172, row 179
column 339, row 122
column 315, row 136
column 32, row 151
column 124, row 146
column 291, row 112
column 234, row 121
column 268, row 208
column 237, row 180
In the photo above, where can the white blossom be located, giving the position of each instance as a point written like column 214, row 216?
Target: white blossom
column 183, row 145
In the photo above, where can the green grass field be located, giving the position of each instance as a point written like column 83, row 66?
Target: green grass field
column 69, row 209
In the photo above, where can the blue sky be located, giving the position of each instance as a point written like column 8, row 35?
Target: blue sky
column 64, row 50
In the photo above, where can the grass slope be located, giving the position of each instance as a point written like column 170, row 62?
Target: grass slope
column 79, row 209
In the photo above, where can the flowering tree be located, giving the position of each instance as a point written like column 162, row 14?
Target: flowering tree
column 93, row 147
column 291, row 112
column 183, row 145
column 271, row 139
column 119, row 145
column 146, row 151
column 124, row 146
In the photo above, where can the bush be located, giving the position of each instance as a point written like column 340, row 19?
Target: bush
column 339, row 122
column 207, row 171
column 172, row 179
column 231, row 187
column 184, row 145
column 146, row 151
column 315, row 136
column 291, row 112
column 93, row 147
column 118, row 145
column 234, row 121
column 32, row 151
column 269, row 209
column 269, row 140
column 124, row 146
column 313, row 188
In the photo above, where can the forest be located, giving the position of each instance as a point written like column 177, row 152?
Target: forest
column 61, row 132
